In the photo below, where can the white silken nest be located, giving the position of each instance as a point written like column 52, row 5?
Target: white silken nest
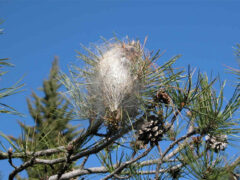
column 114, row 84
column 117, row 83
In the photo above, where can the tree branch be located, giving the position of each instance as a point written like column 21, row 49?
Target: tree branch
column 46, row 152
column 95, row 149
column 169, row 148
column 21, row 168
column 10, row 158
column 162, row 170
column 125, row 164
column 83, row 162
column 102, row 170
column 70, row 150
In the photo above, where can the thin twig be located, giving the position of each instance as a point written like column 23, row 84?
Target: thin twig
column 169, row 148
column 159, row 149
column 125, row 164
column 84, row 162
column 174, row 118
column 102, row 170
column 70, row 151
column 121, row 177
column 161, row 154
column 21, row 168
column 10, row 158
column 162, row 170
column 46, row 152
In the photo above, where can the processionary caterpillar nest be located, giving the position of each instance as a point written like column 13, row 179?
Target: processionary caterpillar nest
column 117, row 81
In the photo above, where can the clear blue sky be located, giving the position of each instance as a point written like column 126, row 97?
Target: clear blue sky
column 204, row 32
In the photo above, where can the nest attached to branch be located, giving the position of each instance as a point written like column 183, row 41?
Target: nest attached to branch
column 115, row 83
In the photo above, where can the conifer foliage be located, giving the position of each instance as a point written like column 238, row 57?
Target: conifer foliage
column 51, row 115
column 51, row 112
column 139, row 119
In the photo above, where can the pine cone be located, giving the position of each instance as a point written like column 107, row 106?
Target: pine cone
column 151, row 131
column 163, row 97
column 216, row 143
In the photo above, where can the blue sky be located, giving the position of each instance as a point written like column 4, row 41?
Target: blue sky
column 204, row 32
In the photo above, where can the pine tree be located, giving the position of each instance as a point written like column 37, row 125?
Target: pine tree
column 140, row 120
column 51, row 115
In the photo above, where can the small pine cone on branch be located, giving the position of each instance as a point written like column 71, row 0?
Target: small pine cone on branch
column 151, row 131
column 163, row 97
column 216, row 143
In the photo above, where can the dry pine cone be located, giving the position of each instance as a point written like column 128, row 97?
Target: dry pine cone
column 216, row 143
column 163, row 97
column 151, row 131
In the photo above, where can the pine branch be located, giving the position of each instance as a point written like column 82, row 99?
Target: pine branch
column 103, row 170
column 21, row 168
column 169, row 148
column 127, row 163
